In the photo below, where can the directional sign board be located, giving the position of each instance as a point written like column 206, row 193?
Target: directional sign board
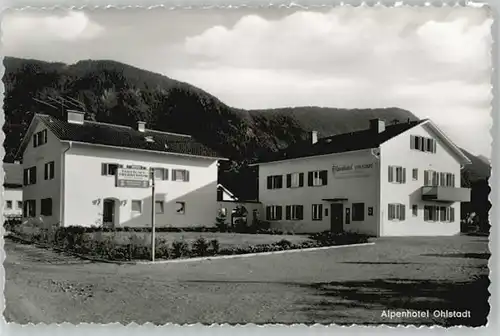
column 132, row 178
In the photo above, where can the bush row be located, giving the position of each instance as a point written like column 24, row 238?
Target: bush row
column 138, row 248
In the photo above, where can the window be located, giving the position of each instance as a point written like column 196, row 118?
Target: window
column 29, row 209
column 137, row 206
column 40, row 138
column 348, row 215
column 294, row 212
column 295, row 180
column 434, row 213
column 317, row 212
column 275, row 182
column 415, row 174
column 423, row 144
column 180, row 175
column 8, row 205
column 326, row 212
column 274, row 212
column 46, row 207
column 159, row 207
column 358, row 212
column 108, row 169
column 180, row 207
column 29, row 176
column 161, row 174
column 414, row 210
column 317, row 178
column 397, row 174
column 19, row 204
column 49, row 170
column 397, row 212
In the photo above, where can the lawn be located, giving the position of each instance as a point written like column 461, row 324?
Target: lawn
column 226, row 240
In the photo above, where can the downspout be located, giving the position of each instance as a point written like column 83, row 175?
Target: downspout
column 376, row 154
column 62, row 194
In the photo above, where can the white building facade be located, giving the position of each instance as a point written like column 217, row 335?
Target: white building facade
column 70, row 175
column 12, row 196
column 399, row 180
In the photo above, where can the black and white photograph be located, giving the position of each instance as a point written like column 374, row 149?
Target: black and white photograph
column 272, row 165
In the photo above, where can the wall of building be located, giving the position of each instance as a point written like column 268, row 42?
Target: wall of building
column 38, row 156
column 398, row 152
column 359, row 186
column 86, row 189
column 14, row 196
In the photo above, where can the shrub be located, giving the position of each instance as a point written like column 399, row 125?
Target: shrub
column 214, row 246
column 283, row 243
column 328, row 238
column 200, row 247
column 180, row 249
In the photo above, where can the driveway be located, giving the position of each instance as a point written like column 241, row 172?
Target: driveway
column 343, row 286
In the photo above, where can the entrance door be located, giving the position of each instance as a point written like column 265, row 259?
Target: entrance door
column 108, row 213
column 336, row 217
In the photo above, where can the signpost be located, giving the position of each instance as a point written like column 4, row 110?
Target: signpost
column 140, row 177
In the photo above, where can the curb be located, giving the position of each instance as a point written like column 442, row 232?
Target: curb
column 246, row 255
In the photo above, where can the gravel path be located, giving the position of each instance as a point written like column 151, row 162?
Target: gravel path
column 351, row 285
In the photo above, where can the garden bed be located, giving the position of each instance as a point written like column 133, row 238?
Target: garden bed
column 128, row 246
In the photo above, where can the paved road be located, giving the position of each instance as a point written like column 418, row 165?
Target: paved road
column 349, row 285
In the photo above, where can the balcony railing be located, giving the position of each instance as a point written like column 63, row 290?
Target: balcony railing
column 445, row 194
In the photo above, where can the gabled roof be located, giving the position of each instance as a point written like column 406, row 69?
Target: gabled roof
column 96, row 133
column 464, row 159
column 13, row 175
column 341, row 143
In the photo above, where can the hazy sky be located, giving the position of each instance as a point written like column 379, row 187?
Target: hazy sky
column 434, row 62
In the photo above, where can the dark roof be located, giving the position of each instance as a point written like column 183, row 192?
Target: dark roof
column 126, row 137
column 13, row 175
column 340, row 143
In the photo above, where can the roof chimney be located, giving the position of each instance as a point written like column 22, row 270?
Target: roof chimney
column 377, row 125
column 141, row 126
column 314, row 137
column 76, row 117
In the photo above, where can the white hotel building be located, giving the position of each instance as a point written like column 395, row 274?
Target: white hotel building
column 70, row 170
column 394, row 180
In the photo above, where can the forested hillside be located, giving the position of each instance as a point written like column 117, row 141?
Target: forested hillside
column 118, row 93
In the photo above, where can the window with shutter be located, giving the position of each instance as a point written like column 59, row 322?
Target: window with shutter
column 288, row 180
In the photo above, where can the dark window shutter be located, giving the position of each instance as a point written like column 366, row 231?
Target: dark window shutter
column 165, row 174
column 288, row 212
column 310, row 179
column 412, row 142
column 104, row 169
column 187, row 176
column 280, row 181
column 25, row 177
column 279, row 212
column 269, row 182
column 44, row 136
column 324, row 176
column 300, row 210
column 46, row 171
column 301, row 179
column 268, row 213
column 404, row 175
column 288, row 180
column 34, row 174
column 403, row 215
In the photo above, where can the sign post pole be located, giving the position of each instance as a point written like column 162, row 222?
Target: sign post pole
column 153, row 203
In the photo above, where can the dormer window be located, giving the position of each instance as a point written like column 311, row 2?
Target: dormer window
column 423, row 144
column 40, row 138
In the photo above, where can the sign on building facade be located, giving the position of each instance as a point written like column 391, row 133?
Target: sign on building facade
column 352, row 170
column 132, row 178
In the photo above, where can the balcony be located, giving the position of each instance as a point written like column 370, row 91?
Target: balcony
column 445, row 194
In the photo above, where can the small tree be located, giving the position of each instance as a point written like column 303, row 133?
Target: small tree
column 221, row 222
